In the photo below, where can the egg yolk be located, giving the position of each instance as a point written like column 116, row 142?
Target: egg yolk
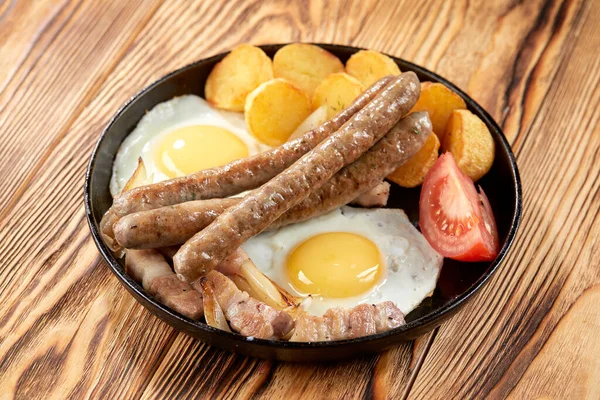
column 334, row 264
column 193, row 148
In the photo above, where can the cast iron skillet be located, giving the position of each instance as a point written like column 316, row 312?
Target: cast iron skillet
column 457, row 282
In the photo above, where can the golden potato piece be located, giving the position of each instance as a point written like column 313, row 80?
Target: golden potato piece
column 337, row 92
column 412, row 173
column 239, row 73
column 368, row 66
column 470, row 142
column 274, row 110
column 439, row 101
column 305, row 65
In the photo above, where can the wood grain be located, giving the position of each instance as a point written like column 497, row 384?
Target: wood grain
column 575, row 343
column 20, row 35
column 75, row 58
column 489, row 345
column 67, row 328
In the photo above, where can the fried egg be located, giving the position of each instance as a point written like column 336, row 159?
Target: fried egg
column 348, row 257
column 182, row 136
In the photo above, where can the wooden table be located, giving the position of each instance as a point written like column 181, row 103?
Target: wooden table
column 67, row 327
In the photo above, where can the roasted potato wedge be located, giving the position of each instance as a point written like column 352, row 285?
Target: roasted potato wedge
column 439, row 101
column 313, row 121
column 368, row 66
column 337, row 92
column 305, row 65
column 470, row 142
column 412, row 173
column 239, row 73
column 274, row 110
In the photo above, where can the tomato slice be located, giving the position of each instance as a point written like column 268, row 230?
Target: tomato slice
column 456, row 220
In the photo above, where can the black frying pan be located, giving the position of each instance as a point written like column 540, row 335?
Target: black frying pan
column 457, row 283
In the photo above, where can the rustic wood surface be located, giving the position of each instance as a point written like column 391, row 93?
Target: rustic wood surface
column 69, row 330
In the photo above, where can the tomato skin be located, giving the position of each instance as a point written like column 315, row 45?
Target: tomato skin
column 456, row 220
column 479, row 252
column 490, row 222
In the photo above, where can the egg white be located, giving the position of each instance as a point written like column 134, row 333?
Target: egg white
column 412, row 266
column 164, row 118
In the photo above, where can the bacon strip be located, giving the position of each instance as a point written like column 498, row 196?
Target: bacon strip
column 245, row 314
column 150, row 268
column 339, row 324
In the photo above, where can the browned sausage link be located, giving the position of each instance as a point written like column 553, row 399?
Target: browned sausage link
column 168, row 251
column 173, row 225
column 401, row 143
column 259, row 209
column 230, row 179
column 170, row 225
column 240, row 175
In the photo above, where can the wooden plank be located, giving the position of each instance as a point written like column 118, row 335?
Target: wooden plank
column 390, row 376
column 485, row 351
column 56, row 78
column 58, row 184
column 567, row 366
column 395, row 371
column 63, row 356
column 181, row 374
column 23, row 25
column 52, row 284
column 521, row 59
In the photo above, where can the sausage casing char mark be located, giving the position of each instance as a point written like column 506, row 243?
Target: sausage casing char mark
column 175, row 224
column 240, row 175
column 258, row 210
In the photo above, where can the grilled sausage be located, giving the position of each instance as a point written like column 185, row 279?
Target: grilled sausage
column 168, row 226
column 235, row 177
column 402, row 141
column 264, row 205
column 240, row 175
column 175, row 224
